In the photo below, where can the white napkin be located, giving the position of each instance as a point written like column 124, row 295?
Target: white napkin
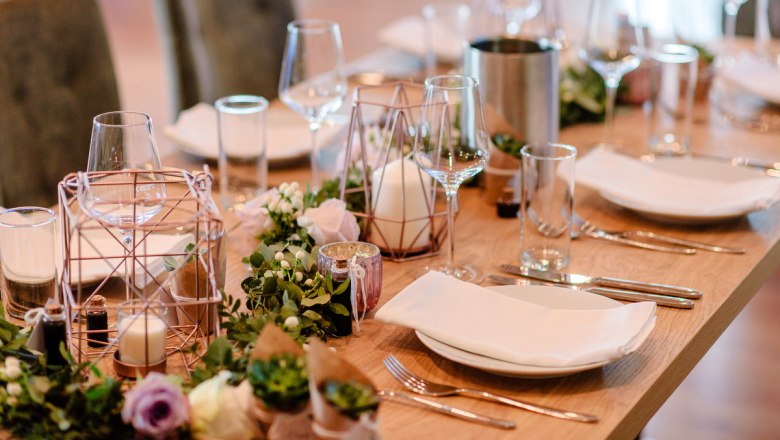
column 287, row 134
column 754, row 75
column 642, row 184
column 99, row 242
column 408, row 34
column 481, row 321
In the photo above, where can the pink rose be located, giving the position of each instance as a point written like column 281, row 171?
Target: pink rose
column 330, row 222
column 156, row 407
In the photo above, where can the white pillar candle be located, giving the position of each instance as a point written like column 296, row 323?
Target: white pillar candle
column 138, row 332
column 397, row 195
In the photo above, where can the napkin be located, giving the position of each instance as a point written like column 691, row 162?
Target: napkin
column 642, row 184
column 408, row 34
column 287, row 134
column 97, row 242
column 481, row 321
column 754, row 75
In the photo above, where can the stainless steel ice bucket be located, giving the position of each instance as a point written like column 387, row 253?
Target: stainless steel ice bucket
column 518, row 80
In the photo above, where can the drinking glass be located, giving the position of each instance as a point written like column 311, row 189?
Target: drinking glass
column 312, row 81
column 614, row 45
column 121, row 187
column 452, row 146
column 27, row 258
column 731, row 8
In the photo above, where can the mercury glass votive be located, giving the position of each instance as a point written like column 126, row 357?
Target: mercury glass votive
column 335, row 258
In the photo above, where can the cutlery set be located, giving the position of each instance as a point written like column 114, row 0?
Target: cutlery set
column 615, row 288
column 424, row 387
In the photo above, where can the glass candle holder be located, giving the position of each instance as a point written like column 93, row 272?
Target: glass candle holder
column 142, row 327
column 335, row 258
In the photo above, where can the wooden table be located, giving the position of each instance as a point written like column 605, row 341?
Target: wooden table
column 624, row 394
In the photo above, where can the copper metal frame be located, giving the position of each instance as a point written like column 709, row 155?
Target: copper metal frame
column 398, row 123
column 187, row 208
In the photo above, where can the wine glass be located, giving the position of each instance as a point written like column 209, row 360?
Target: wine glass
column 731, row 8
column 122, row 186
column 515, row 13
column 312, row 81
column 614, row 45
column 452, row 146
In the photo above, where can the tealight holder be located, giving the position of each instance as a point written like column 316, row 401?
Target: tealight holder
column 174, row 267
column 401, row 212
column 362, row 264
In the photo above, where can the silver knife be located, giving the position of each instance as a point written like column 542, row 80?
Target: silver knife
column 576, row 279
column 622, row 295
column 446, row 409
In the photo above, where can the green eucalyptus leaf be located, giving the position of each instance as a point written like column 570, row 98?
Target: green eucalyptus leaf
column 311, row 314
column 256, row 259
column 319, row 300
column 342, row 287
column 338, row 309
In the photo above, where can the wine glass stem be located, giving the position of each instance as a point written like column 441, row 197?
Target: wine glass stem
column 315, row 177
column 611, row 84
column 129, row 266
column 451, row 195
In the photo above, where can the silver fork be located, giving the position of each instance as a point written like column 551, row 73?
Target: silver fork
column 594, row 231
column 656, row 237
column 428, row 388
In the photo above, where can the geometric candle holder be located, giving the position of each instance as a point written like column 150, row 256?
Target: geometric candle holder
column 175, row 265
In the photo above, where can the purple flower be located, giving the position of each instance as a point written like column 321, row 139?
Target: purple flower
column 156, row 407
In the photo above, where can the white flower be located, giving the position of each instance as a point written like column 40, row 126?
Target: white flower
column 295, row 237
column 292, row 322
column 268, row 274
column 280, row 274
column 285, row 264
column 13, row 371
column 255, row 218
column 279, row 256
column 300, row 255
column 222, row 412
column 274, row 205
column 11, row 361
column 13, row 389
column 330, row 222
column 298, row 276
column 12, row 401
column 283, row 187
column 298, row 195
column 286, row 207
column 308, row 282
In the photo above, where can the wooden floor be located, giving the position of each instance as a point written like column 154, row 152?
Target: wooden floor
column 734, row 392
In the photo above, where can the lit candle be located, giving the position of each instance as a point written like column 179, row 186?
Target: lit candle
column 138, row 332
column 397, row 195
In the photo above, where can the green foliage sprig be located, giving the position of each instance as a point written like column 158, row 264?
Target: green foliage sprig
column 351, row 398
column 282, row 382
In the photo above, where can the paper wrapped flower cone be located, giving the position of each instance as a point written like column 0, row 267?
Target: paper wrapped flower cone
column 501, row 166
column 274, row 341
column 192, row 285
column 329, row 423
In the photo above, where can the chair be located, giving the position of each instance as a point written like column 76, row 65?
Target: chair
column 57, row 74
column 221, row 48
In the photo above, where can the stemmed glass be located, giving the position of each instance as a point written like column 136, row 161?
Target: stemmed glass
column 312, row 81
column 452, row 146
column 122, row 187
column 614, row 45
column 516, row 12
column 731, row 8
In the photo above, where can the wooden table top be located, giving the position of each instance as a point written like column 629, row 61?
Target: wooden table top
column 624, row 394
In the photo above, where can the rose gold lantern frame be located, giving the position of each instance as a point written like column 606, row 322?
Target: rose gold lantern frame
column 398, row 107
column 187, row 209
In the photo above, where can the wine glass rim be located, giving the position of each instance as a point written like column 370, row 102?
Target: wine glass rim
column 312, row 25
column 145, row 118
column 50, row 219
column 461, row 82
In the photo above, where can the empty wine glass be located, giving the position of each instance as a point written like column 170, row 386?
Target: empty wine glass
column 731, row 8
column 122, row 187
column 515, row 13
column 312, row 81
column 614, row 45
column 452, row 146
